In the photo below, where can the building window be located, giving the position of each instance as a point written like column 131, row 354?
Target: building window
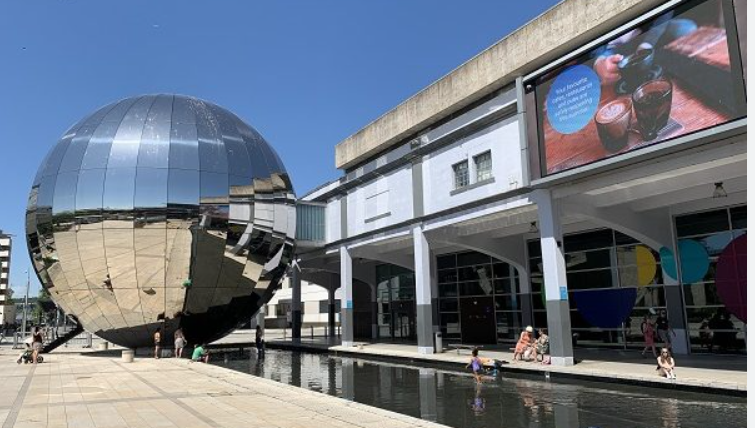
column 484, row 166
column 324, row 306
column 461, row 175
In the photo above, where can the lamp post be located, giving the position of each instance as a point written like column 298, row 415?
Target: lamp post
column 26, row 304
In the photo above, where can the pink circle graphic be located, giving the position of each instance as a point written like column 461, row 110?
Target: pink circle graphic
column 731, row 277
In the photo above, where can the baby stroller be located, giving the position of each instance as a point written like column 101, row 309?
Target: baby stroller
column 26, row 357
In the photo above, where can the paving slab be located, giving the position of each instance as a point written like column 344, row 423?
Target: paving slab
column 97, row 390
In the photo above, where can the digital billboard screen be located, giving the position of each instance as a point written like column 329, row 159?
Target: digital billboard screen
column 672, row 75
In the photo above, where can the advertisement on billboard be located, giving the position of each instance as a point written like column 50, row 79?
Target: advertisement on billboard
column 677, row 73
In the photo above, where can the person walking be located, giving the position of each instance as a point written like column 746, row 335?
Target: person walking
column 179, row 342
column 157, row 338
column 648, row 333
column 37, row 341
column 663, row 329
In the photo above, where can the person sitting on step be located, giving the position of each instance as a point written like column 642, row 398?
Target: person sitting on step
column 524, row 347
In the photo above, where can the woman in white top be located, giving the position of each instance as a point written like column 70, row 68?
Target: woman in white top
column 666, row 364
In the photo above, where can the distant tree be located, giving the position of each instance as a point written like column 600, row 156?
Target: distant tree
column 43, row 307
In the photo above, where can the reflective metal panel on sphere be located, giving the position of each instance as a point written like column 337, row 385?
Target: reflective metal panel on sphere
column 161, row 211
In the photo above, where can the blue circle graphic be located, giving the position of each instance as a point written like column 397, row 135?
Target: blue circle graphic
column 695, row 261
column 694, row 258
column 573, row 99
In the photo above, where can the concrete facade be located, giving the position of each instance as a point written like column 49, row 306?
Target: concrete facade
column 554, row 33
column 494, row 246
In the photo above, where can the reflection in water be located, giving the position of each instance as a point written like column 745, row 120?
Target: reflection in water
column 478, row 404
column 454, row 398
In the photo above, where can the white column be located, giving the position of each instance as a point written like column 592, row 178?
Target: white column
column 347, row 298
column 554, row 275
column 423, row 284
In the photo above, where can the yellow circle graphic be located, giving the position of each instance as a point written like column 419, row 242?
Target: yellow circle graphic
column 646, row 265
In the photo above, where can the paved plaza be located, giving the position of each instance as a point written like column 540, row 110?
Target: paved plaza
column 74, row 389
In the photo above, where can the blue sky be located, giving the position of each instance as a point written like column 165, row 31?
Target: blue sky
column 306, row 74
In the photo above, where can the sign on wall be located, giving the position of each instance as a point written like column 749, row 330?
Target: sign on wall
column 675, row 74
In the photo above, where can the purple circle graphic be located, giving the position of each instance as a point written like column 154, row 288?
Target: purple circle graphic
column 731, row 277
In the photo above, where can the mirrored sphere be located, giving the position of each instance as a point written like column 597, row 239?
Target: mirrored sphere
column 160, row 212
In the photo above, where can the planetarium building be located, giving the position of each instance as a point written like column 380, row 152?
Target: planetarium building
column 160, row 212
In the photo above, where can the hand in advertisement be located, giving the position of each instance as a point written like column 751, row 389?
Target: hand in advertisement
column 607, row 68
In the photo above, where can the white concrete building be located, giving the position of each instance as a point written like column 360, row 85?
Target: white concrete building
column 586, row 171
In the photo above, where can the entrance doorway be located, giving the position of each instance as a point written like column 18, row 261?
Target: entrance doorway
column 403, row 320
column 477, row 320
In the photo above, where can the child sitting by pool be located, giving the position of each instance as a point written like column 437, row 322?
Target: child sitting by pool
column 200, row 354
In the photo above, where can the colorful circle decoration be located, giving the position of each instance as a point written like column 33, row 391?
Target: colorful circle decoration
column 694, row 258
column 668, row 264
column 646, row 265
column 573, row 99
column 731, row 277
column 605, row 308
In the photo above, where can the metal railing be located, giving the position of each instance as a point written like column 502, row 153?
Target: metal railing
column 312, row 329
column 52, row 333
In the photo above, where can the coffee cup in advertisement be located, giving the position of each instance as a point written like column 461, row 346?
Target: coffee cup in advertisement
column 613, row 121
column 652, row 106
column 636, row 68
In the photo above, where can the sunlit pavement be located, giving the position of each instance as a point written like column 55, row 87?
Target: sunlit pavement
column 77, row 389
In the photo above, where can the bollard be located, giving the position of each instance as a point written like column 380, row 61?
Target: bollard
column 311, row 332
column 127, row 356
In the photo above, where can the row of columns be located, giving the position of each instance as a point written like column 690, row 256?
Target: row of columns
column 557, row 304
column 555, row 288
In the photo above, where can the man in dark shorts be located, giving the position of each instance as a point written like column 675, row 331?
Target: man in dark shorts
column 663, row 329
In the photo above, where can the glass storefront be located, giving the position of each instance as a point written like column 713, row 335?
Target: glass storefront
column 710, row 245
column 614, row 281
column 397, row 319
column 479, row 299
